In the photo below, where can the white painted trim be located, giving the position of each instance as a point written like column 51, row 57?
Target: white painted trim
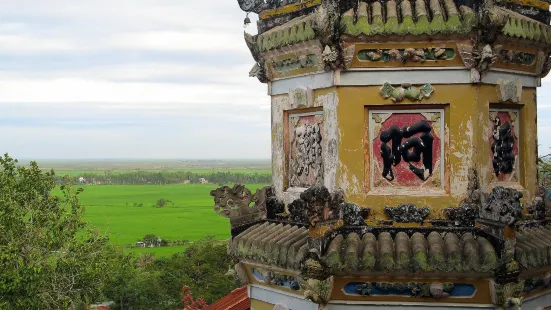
column 313, row 81
column 363, row 77
column 405, row 69
column 493, row 77
column 371, row 124
column 274, row 297
column 539, row 301
column 366, row 78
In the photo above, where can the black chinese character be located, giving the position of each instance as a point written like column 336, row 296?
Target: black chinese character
column 502, row 148
column 410, row 151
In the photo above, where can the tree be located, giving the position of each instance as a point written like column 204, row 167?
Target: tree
column 544, row 170
column 150, row 240
column 161, row 203
column 49, row 260
column 202, row 266
column 189, row 302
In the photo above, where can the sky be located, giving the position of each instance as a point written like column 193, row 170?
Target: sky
column 137, row 79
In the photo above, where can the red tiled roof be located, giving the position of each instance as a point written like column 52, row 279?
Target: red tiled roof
column 238, row 299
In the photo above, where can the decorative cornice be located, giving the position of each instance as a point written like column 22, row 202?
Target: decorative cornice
column 371, row 20
column 297, row 30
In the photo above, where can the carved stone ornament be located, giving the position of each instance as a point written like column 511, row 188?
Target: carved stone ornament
column 239, row 204
column 535, row 283
column 406, row 90
column 540, row 62
column 252, row 5
column 258, row 70
column 258, row 6
column 325, row 27
column 464, row 215
column 317, row 291
column 306, row 139
column 240, row 273
column 537, row 207
column 479, row 58
column 501, row 205
column 406, row 54
column 297, row 211
column 546, row 67
column 485, row 56
column 509, row 91
column 318, row 204
column 313, row 267
column 507, row 294
column 301, row 97
column 353, row 215
column 348, row 54
column 467, row 56
column 407, row 213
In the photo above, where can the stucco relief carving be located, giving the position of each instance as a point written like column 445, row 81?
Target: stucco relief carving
column 504, row 145
column 509, row 91
column 306, row 154
column 501, row 205
column 407, row 148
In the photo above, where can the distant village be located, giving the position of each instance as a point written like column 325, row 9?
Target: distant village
column 83, row 180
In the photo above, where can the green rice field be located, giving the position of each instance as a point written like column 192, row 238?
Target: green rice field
column 127, row 213
column 77, row 173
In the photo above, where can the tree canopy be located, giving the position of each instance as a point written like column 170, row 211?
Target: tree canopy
column 51, row 259
column 48, row 258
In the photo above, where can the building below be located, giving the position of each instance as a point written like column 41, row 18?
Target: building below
column 238, row 299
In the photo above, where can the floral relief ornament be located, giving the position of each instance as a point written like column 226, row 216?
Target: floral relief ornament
column 406, row 90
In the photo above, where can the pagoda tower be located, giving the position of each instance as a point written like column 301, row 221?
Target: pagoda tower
column 404, row 149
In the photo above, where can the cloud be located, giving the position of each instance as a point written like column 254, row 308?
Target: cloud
column 137, row 78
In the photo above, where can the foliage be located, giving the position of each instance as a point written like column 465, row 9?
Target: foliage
column 143, row 177
column 133, row 284
column 150, row 239
column 49, row 260
column 202, row 266
column 161, row 203
column 189, row 302
column 157, row 283
column 544, row 170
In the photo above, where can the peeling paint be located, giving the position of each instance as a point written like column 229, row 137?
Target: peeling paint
column 330, row 103
column 296, row 101
column 278, row 151
column 463, row 150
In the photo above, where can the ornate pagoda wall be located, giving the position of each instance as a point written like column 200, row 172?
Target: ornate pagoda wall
column 404, row 147
column 465, row 128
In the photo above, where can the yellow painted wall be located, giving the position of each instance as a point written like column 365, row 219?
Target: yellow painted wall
column 260, row 305
column 466, row 127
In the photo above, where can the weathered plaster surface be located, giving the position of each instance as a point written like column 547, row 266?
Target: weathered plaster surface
column 353, row 176
column 278, row 152
column 303, row 100
column 330, row 103
column 462, row 150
